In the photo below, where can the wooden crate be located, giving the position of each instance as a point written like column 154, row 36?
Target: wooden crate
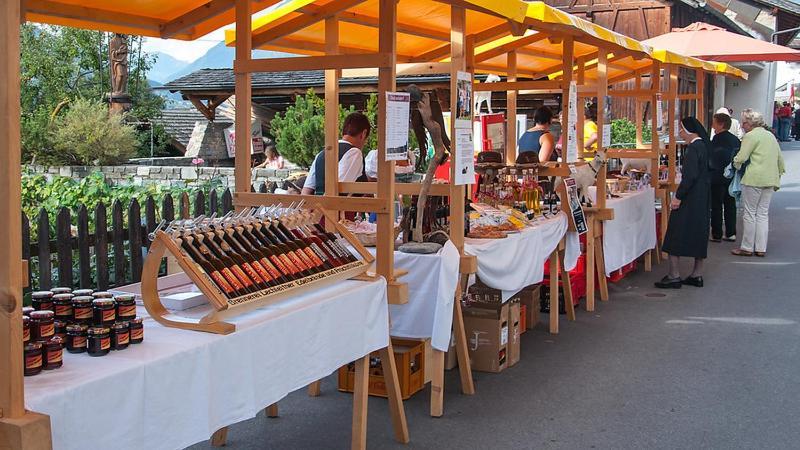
column 409, row 356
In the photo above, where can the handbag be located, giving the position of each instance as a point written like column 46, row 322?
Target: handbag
column 735, row 188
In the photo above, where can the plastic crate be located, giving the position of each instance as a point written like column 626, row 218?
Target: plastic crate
column 409, row 357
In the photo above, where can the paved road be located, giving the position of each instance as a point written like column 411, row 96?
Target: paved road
column 698, row 368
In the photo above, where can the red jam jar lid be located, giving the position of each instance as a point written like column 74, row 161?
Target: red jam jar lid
column 102, row 294
column 76, row 328
column 125, row 297
column 61, row 290
column 33, row 345
column 55, row 340
column 42, row 315
column 62, row 297
column 96, row 331
column 26, row 311
column 103, row 302
column 83, row 300
column 137, row 321
column 41, row 294
column 79, row 292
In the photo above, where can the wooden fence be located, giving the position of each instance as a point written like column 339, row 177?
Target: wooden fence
column 114, row 254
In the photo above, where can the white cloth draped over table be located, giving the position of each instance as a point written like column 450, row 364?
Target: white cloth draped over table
column 178, row 387
column 432, row 281
column 517, row 261
column 633, row 230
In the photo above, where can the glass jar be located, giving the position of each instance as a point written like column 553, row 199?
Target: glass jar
column 42, row 325
column 99, row 341
column 76, row 338
column 82, row 309
column 26, row 329
column 62, row 306
column 126, row 307
column 102, row 294
column 61, row 290
column 120, row 336
column 53, row 353
column 104, row 312
column 27, row 310
column 42, row 300
column 137, row 330
column 82, row 292
column 60, row 327
column 33, row 358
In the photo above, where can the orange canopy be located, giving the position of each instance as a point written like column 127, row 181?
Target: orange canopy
column 716, row 44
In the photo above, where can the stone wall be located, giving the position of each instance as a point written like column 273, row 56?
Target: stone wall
column 164, row 175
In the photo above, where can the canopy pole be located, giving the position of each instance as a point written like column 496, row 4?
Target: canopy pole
column 639, row 113
column 673, row 112
column 511, row 110
column 244, row 40
column 18, row 428
column 332, row 112
column 700, row 109
column 567, row 45
column 655, row 141
column 581, row 105
column 458, row 19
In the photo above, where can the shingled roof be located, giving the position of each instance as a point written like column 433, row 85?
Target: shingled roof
column 179, row 123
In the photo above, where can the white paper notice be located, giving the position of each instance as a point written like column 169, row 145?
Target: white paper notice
column 464, row 160
column 572, row 130
column 464, row 100
column 659, row 114
column 606, row 135
column 397, row 112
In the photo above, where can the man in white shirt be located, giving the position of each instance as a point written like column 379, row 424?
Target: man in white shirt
column 355, row 131
column 736, row 128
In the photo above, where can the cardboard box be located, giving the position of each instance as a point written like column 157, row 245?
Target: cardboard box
column 451, row 357
column 513, row 332
column 480, row 295
column 523, row 314
column 487, row 337
column 529, row 297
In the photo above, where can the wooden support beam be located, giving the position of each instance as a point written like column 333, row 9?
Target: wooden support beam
column 700, row 104
column 501, row 86
column 673, row 145
column 511, row 110
column 402, row 69
column 568, row 47
column 244, row 198
column 332, row 112
column 438, row 189
column 242, row 169
column 325, row 62
column 479, row 38
column 511, row 46
column 655, row 140
column 301, row 21
column 458, row 25
column 194, row 17
column 118, row 20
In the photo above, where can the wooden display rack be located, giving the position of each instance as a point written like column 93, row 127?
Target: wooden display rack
column 224, row 307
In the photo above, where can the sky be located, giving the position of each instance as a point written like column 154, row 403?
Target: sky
column 185, row 50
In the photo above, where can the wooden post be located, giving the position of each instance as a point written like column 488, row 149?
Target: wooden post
column 639, row 113
column 655, row 141
column 332, row 111
column 567, row 52
column 700, row 109
column 18, row 428
column 511, row 110
column 360, row 400
column 554, row 275
column 581, row 105
column 243, row 92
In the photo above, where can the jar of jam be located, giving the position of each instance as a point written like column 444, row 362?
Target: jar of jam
column 82, row 309
column 62, row 306
column 120, row 336
column 126, row 307
column 104, row 312
column 102, row 294
column 99, row 341
column 42, row 300
column 82, row 292
column 53, row 353
column 27, row 310
column 26, row 329
column 33, row 358
column 61, row 290
column 60, row 327
column 42, row 325
column 137, row 330
column 76, row 338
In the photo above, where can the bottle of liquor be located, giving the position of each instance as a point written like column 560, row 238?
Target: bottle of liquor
column 209, row 251
column 308, row 244
column 287, row 253
column 248, row 262
column 274, row 253
column 223, row 248
column 301, row 247
column 296, row 254
column 320, row 249
column 260, row 255
column 222, row 276
column 336, row 241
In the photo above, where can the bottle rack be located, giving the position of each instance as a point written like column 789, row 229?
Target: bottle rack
column 177, row 237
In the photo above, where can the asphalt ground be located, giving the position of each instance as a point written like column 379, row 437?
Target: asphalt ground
column 713, row 367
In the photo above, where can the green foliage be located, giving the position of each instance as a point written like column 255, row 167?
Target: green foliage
column 60, row 65
column 623, row 131
column 88, row 135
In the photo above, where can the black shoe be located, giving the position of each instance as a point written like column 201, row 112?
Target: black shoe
column 669, row 283
column 693, row 281
column 715, row 239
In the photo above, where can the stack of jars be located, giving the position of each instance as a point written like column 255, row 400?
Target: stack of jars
column 82, row 321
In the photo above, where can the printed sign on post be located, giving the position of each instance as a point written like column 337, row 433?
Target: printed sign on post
column 464, row 160
column 464, row 100
column 659, row 114
column 397, row 113
column 256, row 143
column 575, row 207
column 572, row 129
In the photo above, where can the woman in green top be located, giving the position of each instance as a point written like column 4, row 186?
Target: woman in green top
column 760, row 156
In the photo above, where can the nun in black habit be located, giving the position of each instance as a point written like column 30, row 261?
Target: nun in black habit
column 687, row 232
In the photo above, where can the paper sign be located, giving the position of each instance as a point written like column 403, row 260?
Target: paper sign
column 572, row 129
column 397, row 113
column 256, row 144
column 659, row 114
column 606, row 135
column 575, row 207
column 464, row 100
column 464, row 160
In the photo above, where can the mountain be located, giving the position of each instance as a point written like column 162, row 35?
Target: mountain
column 164, row 66
column 219, row 57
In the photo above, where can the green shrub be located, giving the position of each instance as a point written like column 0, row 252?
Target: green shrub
column 623, row 131
column 88, row 135
column 300, row 131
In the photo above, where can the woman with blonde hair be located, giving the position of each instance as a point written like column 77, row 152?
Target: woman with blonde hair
column 761, row 159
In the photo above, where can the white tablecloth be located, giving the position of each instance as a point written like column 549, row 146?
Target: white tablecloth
column 517, row 261
column 432, row 281
column 633, row 230
column 178, row 387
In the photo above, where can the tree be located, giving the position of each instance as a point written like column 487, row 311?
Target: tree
column 60, row 65
column 88, row 135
